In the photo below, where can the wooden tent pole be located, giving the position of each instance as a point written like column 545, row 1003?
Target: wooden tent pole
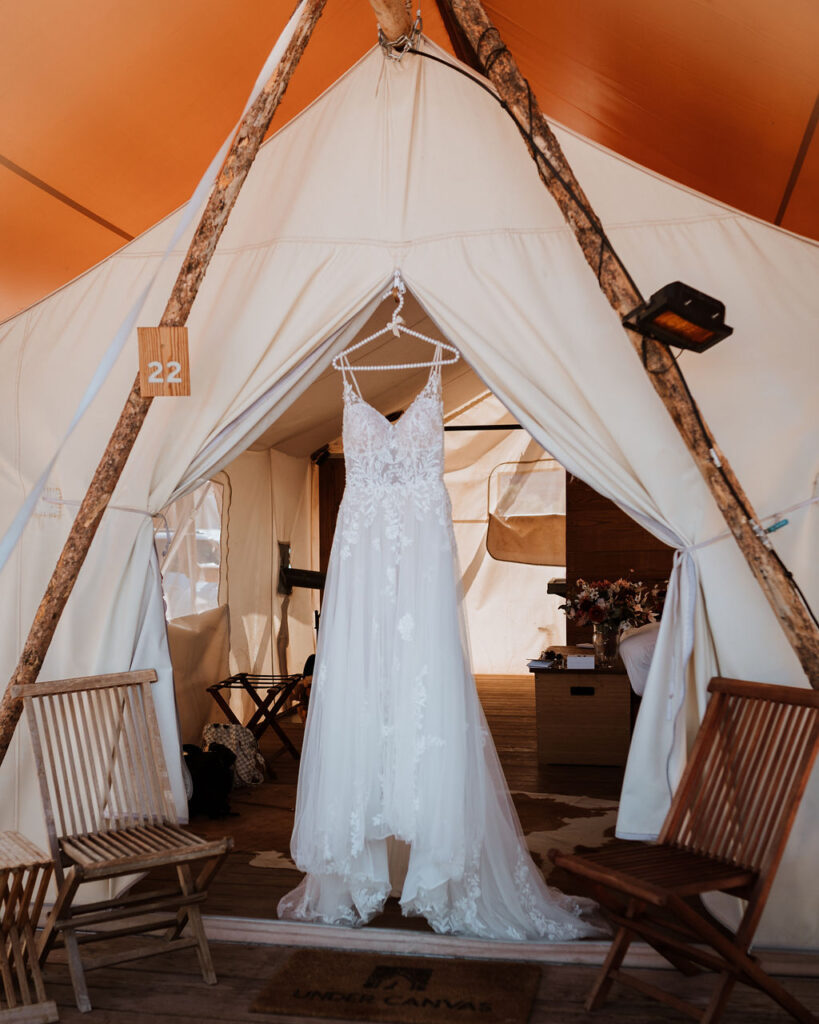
column 500, row 67
column 228, row 183
column 394, row 18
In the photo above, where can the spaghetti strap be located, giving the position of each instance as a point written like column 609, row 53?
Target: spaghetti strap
column 434, row 379
column 348, row 376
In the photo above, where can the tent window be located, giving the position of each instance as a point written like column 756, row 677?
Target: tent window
column 190, row 551
column 527, row 512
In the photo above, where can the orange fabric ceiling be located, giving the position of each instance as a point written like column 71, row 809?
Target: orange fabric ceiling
column 118, row 108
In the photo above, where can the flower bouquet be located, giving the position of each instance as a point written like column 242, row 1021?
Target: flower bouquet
column 611, row 606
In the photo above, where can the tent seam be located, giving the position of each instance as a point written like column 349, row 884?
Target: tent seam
column 427, row 239
column 369, row 242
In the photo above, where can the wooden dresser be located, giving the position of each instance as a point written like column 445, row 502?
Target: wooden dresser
column 583, row 716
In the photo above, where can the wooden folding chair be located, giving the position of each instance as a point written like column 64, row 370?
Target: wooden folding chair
column 110, row 812
column 725, row 832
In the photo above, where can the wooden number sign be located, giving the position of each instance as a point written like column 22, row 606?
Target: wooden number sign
column 163, row 361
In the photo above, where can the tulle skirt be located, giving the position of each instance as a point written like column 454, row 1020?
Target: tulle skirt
column 400, row 788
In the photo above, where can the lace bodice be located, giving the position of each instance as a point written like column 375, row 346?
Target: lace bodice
column 380, row 455
column 392, row 467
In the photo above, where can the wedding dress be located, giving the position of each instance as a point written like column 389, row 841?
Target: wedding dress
column 396, row 748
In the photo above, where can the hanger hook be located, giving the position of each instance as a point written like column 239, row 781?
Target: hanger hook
column 398, row 286
column 398, row 292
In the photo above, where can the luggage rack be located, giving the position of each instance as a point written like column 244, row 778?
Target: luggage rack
column 268, row 708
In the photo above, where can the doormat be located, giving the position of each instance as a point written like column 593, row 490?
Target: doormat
column 400, row 989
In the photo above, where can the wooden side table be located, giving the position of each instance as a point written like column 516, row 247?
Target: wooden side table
column 583, row 716
column 25, row 872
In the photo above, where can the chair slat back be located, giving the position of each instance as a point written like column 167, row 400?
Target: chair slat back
column 99, row 753
column 748, row 769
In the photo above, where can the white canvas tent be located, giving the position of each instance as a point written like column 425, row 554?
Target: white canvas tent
column 410, row 165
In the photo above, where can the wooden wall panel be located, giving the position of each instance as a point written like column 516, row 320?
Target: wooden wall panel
column 331, row 489
column 602, row 542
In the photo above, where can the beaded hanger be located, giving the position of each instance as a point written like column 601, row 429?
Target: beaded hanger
column 397, row 327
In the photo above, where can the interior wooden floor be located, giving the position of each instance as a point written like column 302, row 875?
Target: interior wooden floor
column 509, row 705
column 263, row 817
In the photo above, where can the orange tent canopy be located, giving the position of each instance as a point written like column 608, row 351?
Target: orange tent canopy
column 111, row 112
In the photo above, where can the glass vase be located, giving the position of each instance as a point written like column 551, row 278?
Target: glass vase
column 605, row 645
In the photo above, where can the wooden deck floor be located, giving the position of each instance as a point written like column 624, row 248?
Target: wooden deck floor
column 170, row 991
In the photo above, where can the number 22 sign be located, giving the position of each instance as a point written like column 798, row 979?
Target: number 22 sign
column 163, row 361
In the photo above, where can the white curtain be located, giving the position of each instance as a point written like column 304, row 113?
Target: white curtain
column 250, row 564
